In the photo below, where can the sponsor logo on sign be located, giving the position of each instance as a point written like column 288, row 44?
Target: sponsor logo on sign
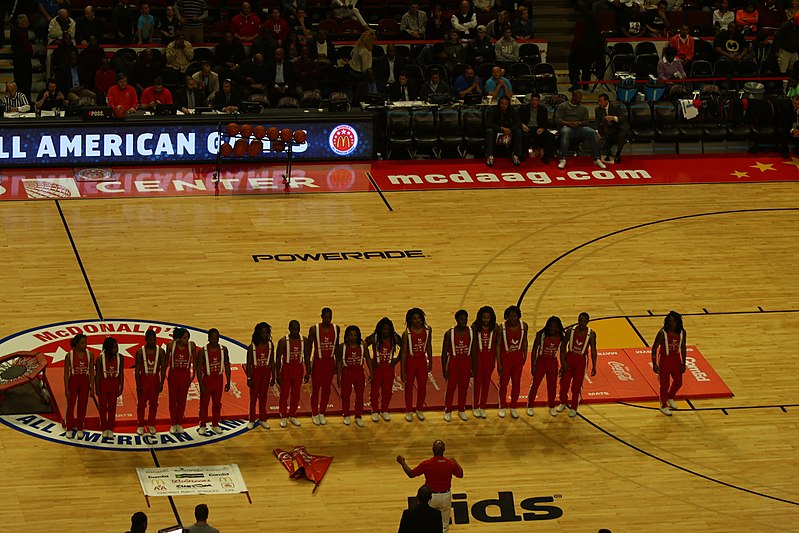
column 343, row 139
column 463, row 177
column 337, row 256
column 501, row 509
column 53, row 341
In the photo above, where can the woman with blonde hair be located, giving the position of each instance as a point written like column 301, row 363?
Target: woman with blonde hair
column 361, row 57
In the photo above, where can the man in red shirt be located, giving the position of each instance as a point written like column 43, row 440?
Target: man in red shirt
column 155, row 95
column 246, row 25
column 123, row 95
column 437, row 472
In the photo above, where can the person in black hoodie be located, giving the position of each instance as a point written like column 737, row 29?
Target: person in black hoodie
column 502, row 119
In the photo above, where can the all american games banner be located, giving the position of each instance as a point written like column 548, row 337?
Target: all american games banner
column 191, row 480
column 301, row 464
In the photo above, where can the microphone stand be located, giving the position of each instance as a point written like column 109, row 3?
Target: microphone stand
column 287, row 174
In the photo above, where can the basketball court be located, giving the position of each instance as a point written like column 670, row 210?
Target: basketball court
column 717, row 247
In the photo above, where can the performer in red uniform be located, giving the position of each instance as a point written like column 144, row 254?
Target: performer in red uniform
column 150, row 366
column 350, row 358
column 212, row 360
column 384, row 342
column 511, row 356
column 437, row 472
column 323, row 339
column 670, row 342
column 78, row 384
column 574, row 362
column 547, row 348
column 290, row 352
column 180, row 356
column 260, row 372
column 485, row 347
column 458, row 361
column 416, row 354
column 109, row 378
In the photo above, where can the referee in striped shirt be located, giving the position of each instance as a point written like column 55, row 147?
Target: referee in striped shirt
column 15, row 101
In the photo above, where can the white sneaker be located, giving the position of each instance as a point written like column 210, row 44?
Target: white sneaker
column 476, row 413
column 447, row 417
column 69, row 434
column 180, row 429
column 553, row 412
column 322, row 419
column 420, row 415
column 501, row 413
column 152, row 430
column 483, row 413
column 462, row 415
column 530, row 411
column 347, row 421
column 375, row 417
column 110, row 434
column 294, row 422
column 599, row 163
column 359, row 422
column 666, row 411
column 250, row 425
column 561, row 407
column 173, row 430
column 514, row 413
column 572, row 413
column 386, row 417
column 409, row 417
column 283, row 422
column 562, row 164
column 217, row 430
column 79, row 434
column 264, row 424
column 315, row 420
column 672, row 403
column 140, row 430
column 202, row 430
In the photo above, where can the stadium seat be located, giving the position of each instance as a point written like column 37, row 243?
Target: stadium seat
column 425, row 137
column 642, row 124
column 398, row 132
column 473, row 128
column 449, row 130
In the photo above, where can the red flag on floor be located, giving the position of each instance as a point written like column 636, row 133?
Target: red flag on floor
column 301, row 464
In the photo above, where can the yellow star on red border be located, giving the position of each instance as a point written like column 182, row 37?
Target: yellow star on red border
column 739, row 174
column 794, row 161
column 762, row 167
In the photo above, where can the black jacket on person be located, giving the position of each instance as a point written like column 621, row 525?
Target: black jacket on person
column 541, row 114
column 421, row 519
column 181, row 98
column 495, row 119
column 219, row 101
column 394, row 93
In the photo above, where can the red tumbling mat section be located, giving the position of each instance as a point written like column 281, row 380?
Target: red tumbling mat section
column 623, row 375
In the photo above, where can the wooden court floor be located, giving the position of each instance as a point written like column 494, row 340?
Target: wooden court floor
column 720, row 254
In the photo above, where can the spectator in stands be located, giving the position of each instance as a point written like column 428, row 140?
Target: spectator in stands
column 480, row 49
column 674, row 5
column 438, row 25
column 361, row 57
column 145, row 70
column 722, row 17
column 506, row 50
column 402, row 90
column 453, row 51
column 464, row 20
column 105, row 77
column 122, row 96
column 670, row 68
column 485, row 7
column 192, row 15
column 413, row 22
column 60, row 24
column 188, row 97
column 145, row 26
column 760, row 50
column 683, row 42
column 22, row 55
column 792, row 9
column 292, row 46
column 201, row 526
column 155, row 95
column 307, row 71
column 123, row 17
column 657, row 22
column 228, row 99
column 253, row 72
column 648, row 5
column 503, row 126
column 435, row 85
column 523, row 26
column 229, row 55
column 91, row 57
column 571, row 117
column 246, row 25
column 179, row 53
column 496, row 27
column 345, row 9
column 72, row 80
column 51, row 97
column 322, row 49
column 731, row 44
column 276, row 27
column 468, row 83
column 785, row 44
column 280, row 77
column 168, row 25
column 60, row 55
column 370, row 84
column 15, row 101
column 535, row 129
column 46, row 10
column 207, row 81
column 747, row 19
column 586, row 47
column 617, row 6
column 497, row 85
column 293, row 9
column 389, row 65
column 301, row 27
column 611, row 124
column 631, row 22
column 88, row 25
column 769, row 16
column 787, row 127
column 138, row 523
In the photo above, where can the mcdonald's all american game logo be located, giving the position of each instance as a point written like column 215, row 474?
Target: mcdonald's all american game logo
column 343, row 139
column 53, row 341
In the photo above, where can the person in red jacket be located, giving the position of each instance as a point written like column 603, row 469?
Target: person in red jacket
column 683, row 42
column 122, row 97
column 246, row 26
column 276, row 27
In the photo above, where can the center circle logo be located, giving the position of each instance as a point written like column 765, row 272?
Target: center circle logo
column 28, row 350
column 343, row 139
